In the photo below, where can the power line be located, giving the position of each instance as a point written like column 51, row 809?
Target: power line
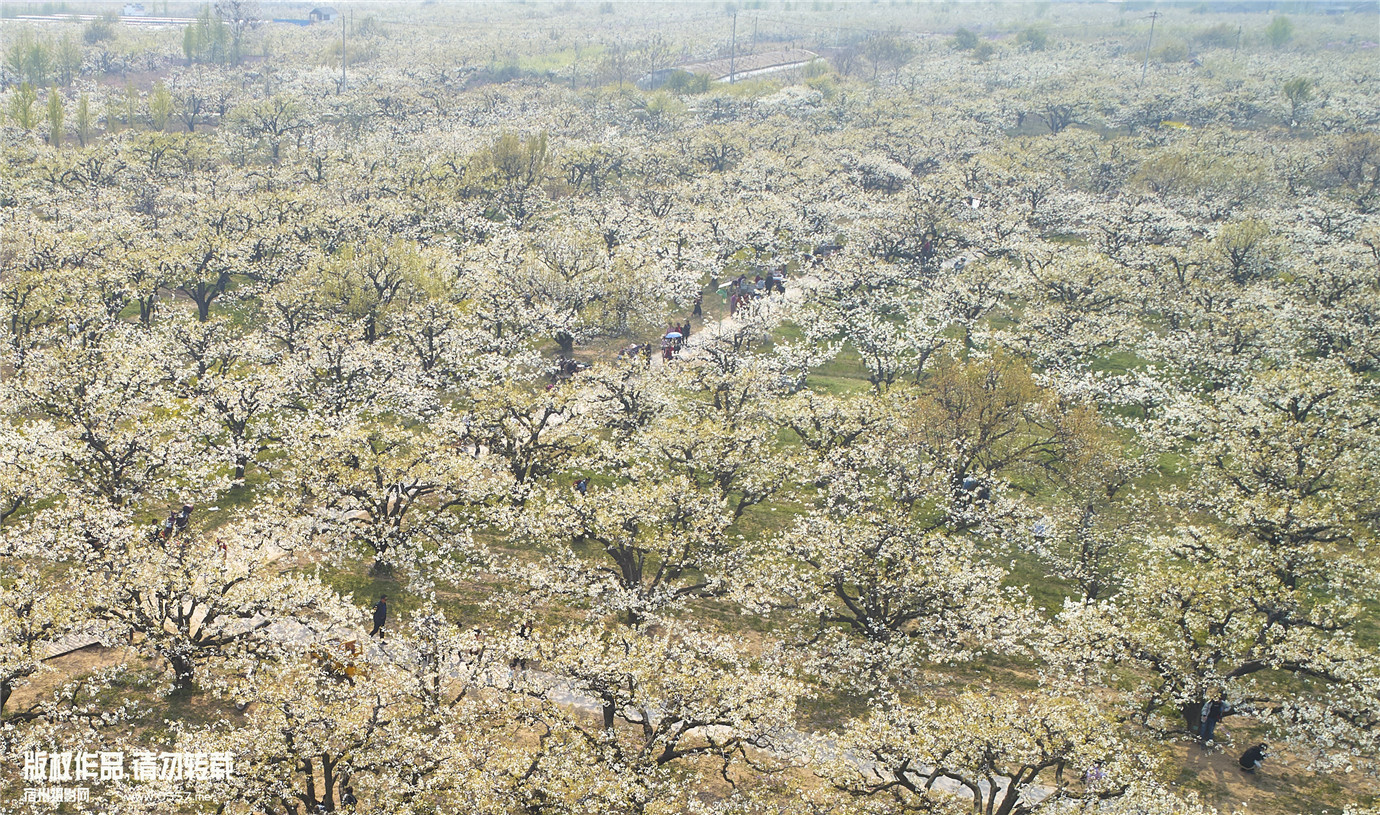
column 524, row 24
column 816, row 26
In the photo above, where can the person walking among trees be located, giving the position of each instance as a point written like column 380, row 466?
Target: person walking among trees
column 699, row 306
column 380, row 615
column 524, row 633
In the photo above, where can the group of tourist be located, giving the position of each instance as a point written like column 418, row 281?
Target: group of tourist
column 736, row 292
column 740, row 289
column 674, row 340
column 175, row 524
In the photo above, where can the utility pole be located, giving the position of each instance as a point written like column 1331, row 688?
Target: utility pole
column 342, row 53
column 733, row 49
column 754, row 35
column 1154, row 15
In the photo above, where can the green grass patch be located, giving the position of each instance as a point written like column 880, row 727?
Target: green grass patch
column 558, row 61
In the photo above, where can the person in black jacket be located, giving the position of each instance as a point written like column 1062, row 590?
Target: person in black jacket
column 380, row 615
column 1254, row 757
column 1212, row 713
column 182, row 518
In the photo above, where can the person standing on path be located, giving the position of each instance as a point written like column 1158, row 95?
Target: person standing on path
column 380, row 615
column 182, row 518
column 1212, row 713
column 169, row 527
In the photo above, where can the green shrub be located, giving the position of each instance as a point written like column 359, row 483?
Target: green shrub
column 1222, row 35
column 1033, row 39
column 99, row 30
column 1280, row 31
column 685, row 82
column 1172, row 51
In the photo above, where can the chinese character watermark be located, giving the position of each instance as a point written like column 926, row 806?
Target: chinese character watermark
column 45, row 772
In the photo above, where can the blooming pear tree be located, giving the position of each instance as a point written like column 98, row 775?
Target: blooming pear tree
column 657, row 543
column 32, row 618
column 1011, row 755
column 678, row 698
column 28, row 470
column 192, row 598
column 879, row 592
column 114, row 411
column 389, row 487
